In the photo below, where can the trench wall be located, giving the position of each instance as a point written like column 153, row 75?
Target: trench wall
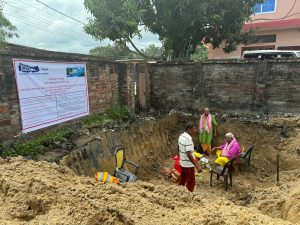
column 147, row 143
column 264, row 86
column 109, row 83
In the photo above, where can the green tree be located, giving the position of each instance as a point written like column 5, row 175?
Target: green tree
column 153, row 52
column 180, row 24
column 201, row 54
column 118, row 51
column 115, row 51
column 7, row 30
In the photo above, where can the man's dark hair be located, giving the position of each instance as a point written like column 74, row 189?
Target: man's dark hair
column 189, row 125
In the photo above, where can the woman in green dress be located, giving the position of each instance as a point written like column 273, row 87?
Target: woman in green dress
column 208, row 129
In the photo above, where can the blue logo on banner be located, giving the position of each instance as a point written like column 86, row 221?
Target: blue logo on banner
column 27, row 69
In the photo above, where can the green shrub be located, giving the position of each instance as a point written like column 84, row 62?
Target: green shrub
column 116, row 113
column 39, row 144
column 44, row 142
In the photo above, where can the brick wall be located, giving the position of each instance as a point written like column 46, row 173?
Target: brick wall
column 265, row 86
column 109, row 83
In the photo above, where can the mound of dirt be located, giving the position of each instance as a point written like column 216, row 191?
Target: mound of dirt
column 46, row 193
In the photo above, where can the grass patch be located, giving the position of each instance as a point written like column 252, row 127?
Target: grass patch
column 116, row 113
column 46, row 141
column 39, row 144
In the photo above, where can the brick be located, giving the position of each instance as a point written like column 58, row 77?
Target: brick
column 190, row 86
column 4, row 108
column 108, row 81
column 4, row 123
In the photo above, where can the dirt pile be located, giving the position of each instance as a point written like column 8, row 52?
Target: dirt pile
column 257, row 188
column 45, row 193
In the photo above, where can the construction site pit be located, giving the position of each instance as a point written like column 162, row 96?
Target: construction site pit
column 62, row 190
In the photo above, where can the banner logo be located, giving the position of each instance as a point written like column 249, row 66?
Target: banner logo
column 28, row 69
column 78, row 71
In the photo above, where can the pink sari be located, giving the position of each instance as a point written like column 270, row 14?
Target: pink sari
column 227, row 147
column 207, row 126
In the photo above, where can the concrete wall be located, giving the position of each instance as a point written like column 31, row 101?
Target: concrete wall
column 109, row 83
column 242, row 86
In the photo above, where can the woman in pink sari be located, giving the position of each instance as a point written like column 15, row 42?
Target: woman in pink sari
column 227, row 151
column 208, row 129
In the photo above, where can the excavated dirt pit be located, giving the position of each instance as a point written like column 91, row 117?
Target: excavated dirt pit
column 40, row 192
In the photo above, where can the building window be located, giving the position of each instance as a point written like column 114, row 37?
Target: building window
column 270, row 38
column 297, row 48
column 266, row 7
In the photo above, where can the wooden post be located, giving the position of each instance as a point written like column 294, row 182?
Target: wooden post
column 278, row 158
column 278, row 166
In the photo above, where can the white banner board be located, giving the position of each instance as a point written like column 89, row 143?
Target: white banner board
column 50, row 92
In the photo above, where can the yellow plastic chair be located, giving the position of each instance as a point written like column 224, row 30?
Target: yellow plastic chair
column 120, row 172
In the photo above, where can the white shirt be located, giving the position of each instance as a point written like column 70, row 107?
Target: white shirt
column 186, row 144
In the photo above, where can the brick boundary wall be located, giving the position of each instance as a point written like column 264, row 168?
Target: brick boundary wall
column 271, row 86
column 109, row 83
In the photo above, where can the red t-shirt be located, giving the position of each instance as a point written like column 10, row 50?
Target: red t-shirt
column 177, row 164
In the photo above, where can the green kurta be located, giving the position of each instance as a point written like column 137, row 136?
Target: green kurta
column 205, row 137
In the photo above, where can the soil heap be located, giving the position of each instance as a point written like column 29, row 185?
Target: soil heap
column 46, row 193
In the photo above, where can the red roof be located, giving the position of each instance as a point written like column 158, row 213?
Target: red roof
column 270, row 25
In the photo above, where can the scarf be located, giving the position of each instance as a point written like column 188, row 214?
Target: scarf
column 207, row 126
column 227, row 147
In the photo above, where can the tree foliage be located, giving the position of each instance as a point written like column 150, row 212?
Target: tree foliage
column 201, row 54
column 153, row 52
column 114, row 52
column 180, row 24
column 118, row 51
column 7, row 30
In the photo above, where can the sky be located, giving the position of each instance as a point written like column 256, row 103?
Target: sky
column 41, row 27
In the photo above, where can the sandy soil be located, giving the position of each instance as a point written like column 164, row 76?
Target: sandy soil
column 279, row 201
column 45, row 193
column 39, row 192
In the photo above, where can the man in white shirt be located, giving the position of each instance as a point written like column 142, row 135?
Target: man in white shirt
column 187, row 159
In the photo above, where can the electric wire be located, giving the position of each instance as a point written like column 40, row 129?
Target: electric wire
column 42, row 28
column 48, row 22
column 70, row 17
column 121, row 53
column 40, row 20
column 30, row 6
column 30, row 13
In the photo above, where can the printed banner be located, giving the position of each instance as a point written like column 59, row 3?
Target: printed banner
column 50, row 92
